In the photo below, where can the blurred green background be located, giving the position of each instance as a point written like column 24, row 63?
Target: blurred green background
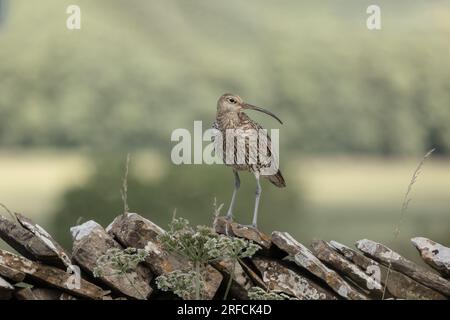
column 360, row 109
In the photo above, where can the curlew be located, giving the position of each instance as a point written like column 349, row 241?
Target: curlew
column 245, row 146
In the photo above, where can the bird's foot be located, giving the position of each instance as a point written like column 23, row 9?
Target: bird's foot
column 229, row 216
column 229, row 220
column 250, row 226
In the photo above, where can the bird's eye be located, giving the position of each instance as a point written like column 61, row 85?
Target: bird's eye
column 232, row 100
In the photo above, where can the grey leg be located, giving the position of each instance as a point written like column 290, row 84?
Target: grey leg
column 237, row 184
column 257, row 196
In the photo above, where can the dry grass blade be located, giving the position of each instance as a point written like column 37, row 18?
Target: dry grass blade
column 405, row 205
column 216, row 212
column 124, row 190
column 9, row 211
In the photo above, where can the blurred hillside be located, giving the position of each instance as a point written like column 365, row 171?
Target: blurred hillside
column 137, row 70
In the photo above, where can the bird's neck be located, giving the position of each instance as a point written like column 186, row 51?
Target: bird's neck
column 228, row 120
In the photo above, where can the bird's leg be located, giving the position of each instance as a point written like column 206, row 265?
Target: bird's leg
column 257, row 196
column 237, row 184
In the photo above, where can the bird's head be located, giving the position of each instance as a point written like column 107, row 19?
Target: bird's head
column 233, row 103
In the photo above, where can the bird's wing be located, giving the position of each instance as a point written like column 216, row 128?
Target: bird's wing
column 218, row 143
column 215, row 126
column 264, row 156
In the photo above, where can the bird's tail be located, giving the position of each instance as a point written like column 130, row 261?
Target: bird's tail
column 277, row 179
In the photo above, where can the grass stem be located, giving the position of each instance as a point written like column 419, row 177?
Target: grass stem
column 405, row 205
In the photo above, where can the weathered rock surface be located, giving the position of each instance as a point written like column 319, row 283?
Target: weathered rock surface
column 279, row 278
column 25, row 294
column 132, row 230
column 41, row 294
column 333, row 271
column 303, row 257
column 223, row 226
column 325, row 252
column 6, row 289
column 241, row 282
column 434, row 254
column 253, row 275
column 46, row 238
column 387, row 256
column 49, row 275
column 399, row 285
column 91, row 241
column 11, row 274
column 25, row 242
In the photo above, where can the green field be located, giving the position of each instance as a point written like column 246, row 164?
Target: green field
column 345, row 198
column 352, row 198
column 32, row 182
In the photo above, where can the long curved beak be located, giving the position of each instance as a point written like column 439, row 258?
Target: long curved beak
column 252, row 107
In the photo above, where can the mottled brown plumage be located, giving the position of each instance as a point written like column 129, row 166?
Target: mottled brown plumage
column 253, row 152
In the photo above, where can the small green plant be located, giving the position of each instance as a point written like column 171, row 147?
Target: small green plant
column 235, row 249
column 179, row 282
column 200, row 245
column 118, row 262
column 257, row 293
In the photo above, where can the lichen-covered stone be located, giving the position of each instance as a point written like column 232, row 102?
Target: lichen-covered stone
column 233, row 229
column 51, row 276
column 241, row 281
column 253, row 275
column 11, row 274
column 399, row 285
column 279, row 278
column 384, row 255
column 303, row 257
column 325, row 252
column 25, row 242
column 91, row 241
column 46, row 238
column 132, row 230
column 434, row 254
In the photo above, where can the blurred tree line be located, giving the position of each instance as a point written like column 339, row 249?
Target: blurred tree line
column 137, row 70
